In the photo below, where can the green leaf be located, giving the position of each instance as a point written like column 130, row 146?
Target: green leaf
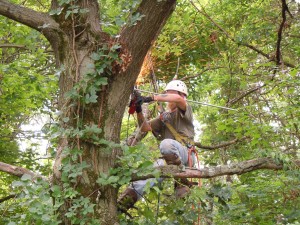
column 113, row 179
column 68, row 13
column 91, row 98
column 56, row 192
column 26, row 177
column 66, row 119
column 56, row 11
column 95, row 56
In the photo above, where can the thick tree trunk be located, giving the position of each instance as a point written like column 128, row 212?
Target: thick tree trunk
column 74, row 53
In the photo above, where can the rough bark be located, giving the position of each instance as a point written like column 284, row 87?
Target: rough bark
column 137, row 40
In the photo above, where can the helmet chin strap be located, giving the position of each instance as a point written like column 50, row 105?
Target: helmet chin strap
column 182, row 95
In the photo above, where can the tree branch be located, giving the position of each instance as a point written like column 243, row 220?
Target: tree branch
column 26, row 16
column 294, row 36
column 12, row 46
column 280, row 31
column 222, row 145
column 154, row 15
column 216, row 171
column 138, row 135
column 7, row 198
column 17, row 171
column 243, row 95
column 201, row 72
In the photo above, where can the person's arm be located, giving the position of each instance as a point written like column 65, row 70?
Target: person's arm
column 144, row 125
column 177, row 99
column 173, row 98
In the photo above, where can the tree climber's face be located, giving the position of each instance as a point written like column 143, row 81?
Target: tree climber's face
column 171, row 105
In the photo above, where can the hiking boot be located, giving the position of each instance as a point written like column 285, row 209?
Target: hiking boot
column 127, row 200
column 181, row 191
column 182, row 187
column 172, row 159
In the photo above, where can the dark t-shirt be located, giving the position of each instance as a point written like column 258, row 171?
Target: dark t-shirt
column 180, row 120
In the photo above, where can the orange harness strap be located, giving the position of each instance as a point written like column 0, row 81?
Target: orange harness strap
column 192, row 150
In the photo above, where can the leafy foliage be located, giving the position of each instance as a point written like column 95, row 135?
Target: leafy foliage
column 33, row 205
column 28, row 85
column 117, row 14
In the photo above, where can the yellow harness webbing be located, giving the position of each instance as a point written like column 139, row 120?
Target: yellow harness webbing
column 183, row 140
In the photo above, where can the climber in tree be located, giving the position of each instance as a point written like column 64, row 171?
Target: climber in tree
column 175, row 128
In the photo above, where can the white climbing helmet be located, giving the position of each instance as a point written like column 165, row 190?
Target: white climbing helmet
column 177, row 85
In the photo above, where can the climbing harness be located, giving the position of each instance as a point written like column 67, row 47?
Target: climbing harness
column 185, row 141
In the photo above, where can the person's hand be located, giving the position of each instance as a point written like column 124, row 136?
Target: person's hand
column 142, row 99
column 165, row 117
column 138, row 100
